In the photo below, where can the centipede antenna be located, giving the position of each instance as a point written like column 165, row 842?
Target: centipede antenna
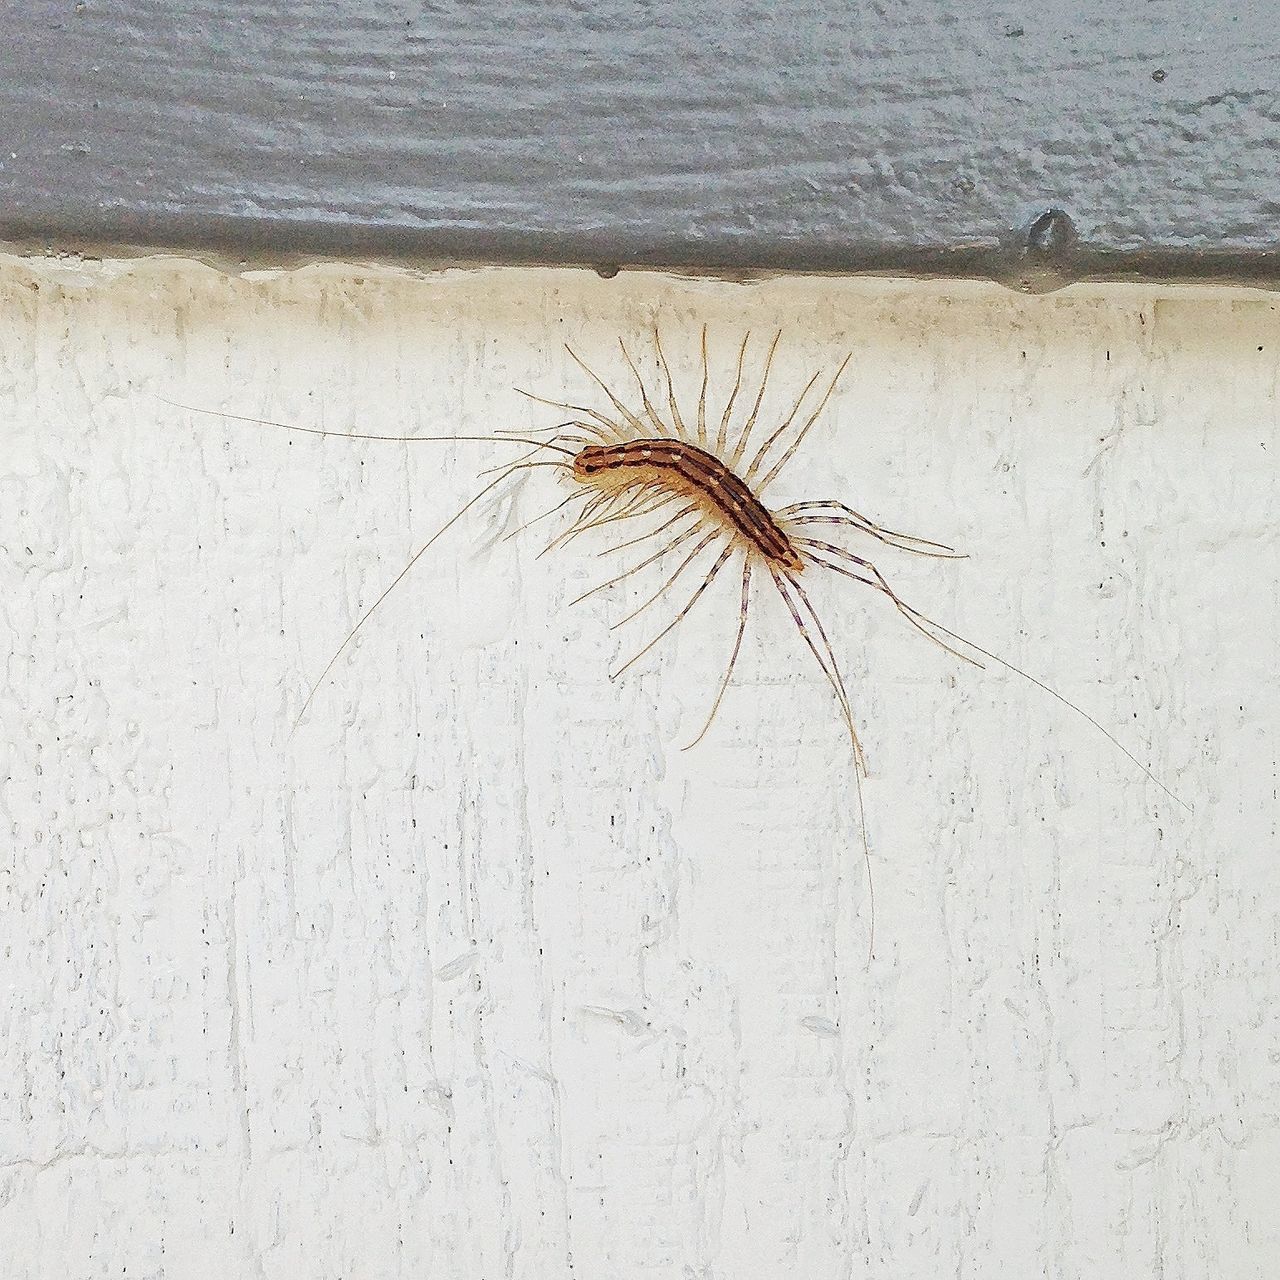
column 750, row 423
column 395, row 582
column 364, row 435
column 722, row 435
column 680, row 568
column 526, row 466
column 733, row 657
column 671, row 626
column 800, row 435
column 562, row 433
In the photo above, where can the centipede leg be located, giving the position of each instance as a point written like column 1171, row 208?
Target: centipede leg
column 671, row 626
column 671, row 392
column 733, row 657
column 750, row 423
column 597, row 504
column 800, row 435
column 680, row 568
column 783, row 426
column 650, row 412
column 722, row 434
column 920, row 621
column 859, row 760
column 794, row 516
column 682, row 537
column 610, row 432
column 650, row 533
column 560, row 506
column 913, row 616
column 627, row 416
column 826, row 663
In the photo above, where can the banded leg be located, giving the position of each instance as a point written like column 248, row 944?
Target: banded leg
column 733, row 657
column 747, row 427
column 683, row 536
column 680, row 568
column 795, row 444
column 675, row 622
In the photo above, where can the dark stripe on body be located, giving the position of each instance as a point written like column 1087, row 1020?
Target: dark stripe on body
column 704, row 472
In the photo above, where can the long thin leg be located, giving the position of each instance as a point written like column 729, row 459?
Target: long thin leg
column 683, row 536
column 614, row 431
column 652, row 505
column 750, row 423
column 800, row 435
column 671, row 626
column 671, row 390
column 650, row 412
column 722, row 434
column 702, row 393
column 650, row 533
column 631, row 509
column 842, row 522
column 395, row 582
column 627, row 416
column 560, row 506
column 881, row 584
column 859, row 761
column 733, row 657
column 1066, row 702
column 832, row 673
column 597, row 504
column 782, row 426
column 921, row 622
column 639, row 503
column 680, row 568
column 858, row 520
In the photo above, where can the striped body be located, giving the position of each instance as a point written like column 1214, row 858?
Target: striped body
column 683, row 468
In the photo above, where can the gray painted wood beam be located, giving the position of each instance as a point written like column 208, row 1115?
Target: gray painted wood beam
column 925, row 137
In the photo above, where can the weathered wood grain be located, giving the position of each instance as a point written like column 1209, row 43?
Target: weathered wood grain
column 923, row 137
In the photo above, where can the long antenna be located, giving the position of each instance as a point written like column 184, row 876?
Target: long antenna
column 364, row 435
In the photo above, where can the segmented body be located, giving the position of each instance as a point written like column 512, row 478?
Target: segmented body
column 687, row 469
column 634, row 463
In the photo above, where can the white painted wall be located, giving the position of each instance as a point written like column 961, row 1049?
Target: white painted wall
column 478, row 974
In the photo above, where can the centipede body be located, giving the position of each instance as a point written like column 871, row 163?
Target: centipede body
column 704, row 482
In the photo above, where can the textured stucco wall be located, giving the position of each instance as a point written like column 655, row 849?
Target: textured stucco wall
column 478, row 974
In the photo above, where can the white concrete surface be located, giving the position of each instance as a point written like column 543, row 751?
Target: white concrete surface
column 478, row 974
